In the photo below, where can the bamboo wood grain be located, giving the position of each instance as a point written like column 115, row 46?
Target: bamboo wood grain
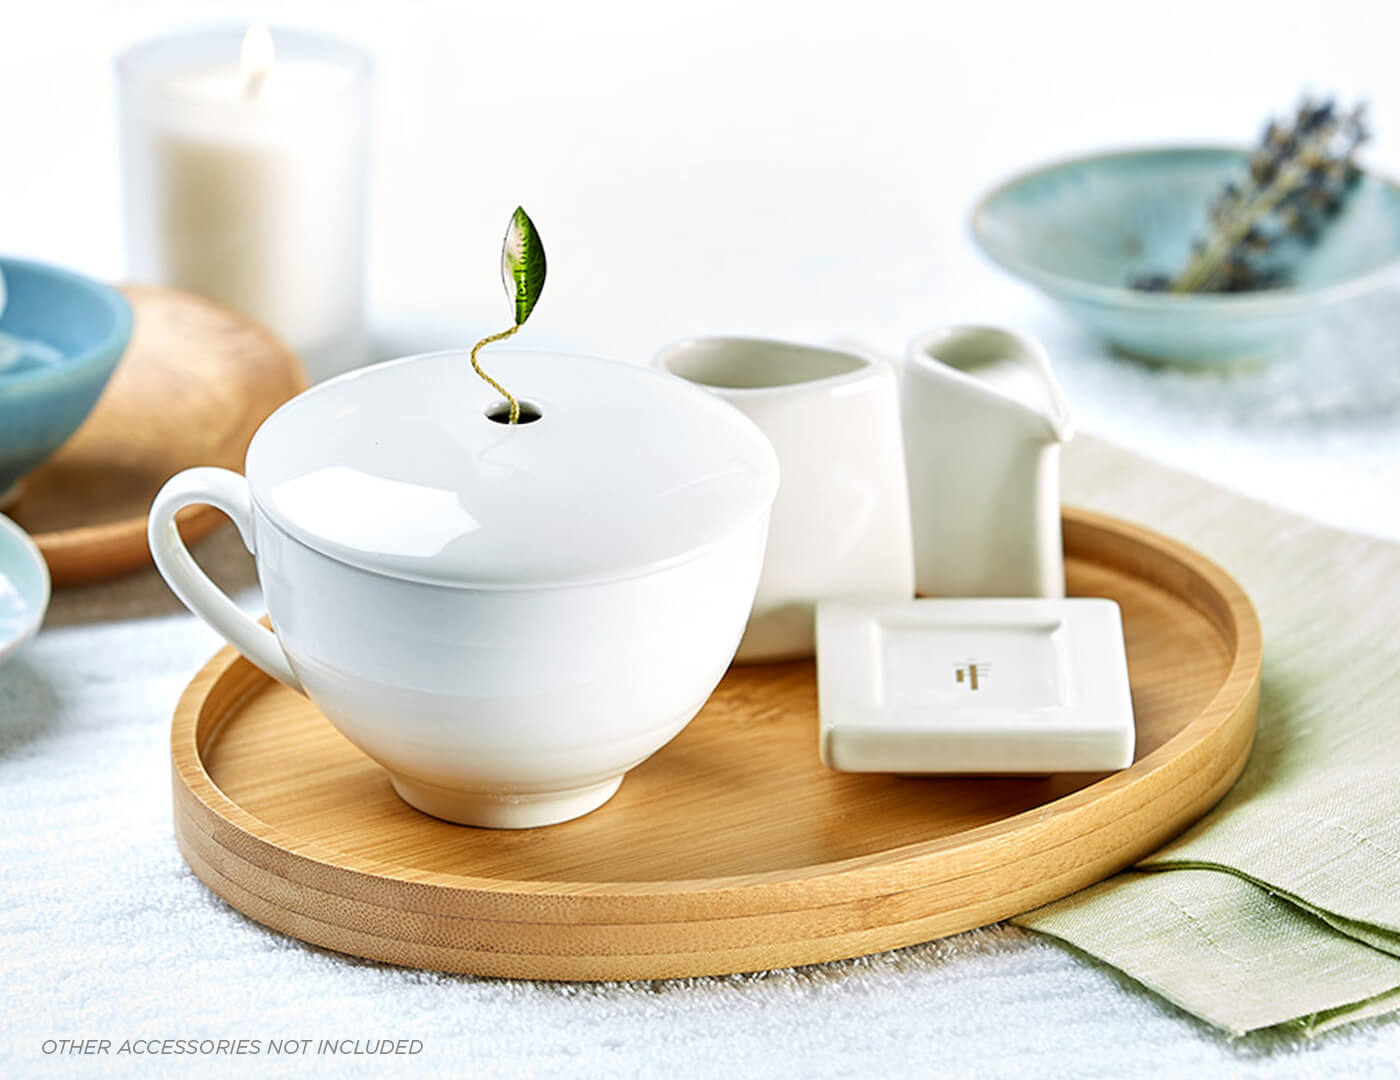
column 732, row 849
column 192, row 388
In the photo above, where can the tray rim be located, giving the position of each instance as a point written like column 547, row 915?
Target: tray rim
column 840, row 881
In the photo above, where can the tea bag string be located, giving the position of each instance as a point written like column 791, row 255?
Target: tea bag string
column 514, row 405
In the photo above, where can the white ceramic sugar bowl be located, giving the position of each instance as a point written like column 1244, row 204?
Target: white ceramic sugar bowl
column 507, row 618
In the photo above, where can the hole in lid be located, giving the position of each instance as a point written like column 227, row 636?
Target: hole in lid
column 500, row 412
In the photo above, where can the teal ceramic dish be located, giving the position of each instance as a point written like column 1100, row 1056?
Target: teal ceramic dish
column 24, row 587
column 41, row 404
column 1081, row 229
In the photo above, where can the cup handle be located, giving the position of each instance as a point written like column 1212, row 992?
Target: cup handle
column 228, row 492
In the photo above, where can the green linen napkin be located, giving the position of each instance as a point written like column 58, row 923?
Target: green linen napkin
column 1281, row 906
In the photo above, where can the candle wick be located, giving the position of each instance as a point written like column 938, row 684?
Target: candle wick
column 257, row 57
column 253, row 84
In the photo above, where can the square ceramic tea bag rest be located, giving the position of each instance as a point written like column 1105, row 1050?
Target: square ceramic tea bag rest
column 989, row 686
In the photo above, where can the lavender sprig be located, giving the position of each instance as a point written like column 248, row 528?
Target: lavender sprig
column 1298, row 180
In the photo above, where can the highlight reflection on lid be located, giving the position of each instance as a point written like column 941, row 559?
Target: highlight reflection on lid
column 364, row 511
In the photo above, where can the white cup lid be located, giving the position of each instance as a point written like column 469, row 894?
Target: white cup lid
column 398, row 469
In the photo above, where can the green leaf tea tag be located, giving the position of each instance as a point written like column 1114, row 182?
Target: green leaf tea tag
column 522, row 270
column 522, row 264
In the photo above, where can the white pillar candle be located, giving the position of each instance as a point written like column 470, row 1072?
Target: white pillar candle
column 245, row 172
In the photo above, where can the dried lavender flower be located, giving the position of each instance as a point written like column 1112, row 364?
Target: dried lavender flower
column 1297, row 180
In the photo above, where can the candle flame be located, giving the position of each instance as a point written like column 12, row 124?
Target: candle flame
column 257, row 57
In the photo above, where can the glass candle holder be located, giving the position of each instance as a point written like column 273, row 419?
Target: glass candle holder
column 245, row 161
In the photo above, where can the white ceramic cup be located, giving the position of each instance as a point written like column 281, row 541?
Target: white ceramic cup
column 840, row 524
column 506, row 618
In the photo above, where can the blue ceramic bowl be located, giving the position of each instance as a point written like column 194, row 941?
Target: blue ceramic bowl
column 41, row 405
column 1081, row 229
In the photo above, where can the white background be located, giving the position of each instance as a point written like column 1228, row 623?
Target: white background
column 784, row 169
column 775, row 168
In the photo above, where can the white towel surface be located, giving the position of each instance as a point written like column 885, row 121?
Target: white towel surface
column 106, row 934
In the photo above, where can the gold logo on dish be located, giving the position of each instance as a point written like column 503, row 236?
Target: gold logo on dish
column 972, row 673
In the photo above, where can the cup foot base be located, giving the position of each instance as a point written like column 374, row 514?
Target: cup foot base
column 504, row 811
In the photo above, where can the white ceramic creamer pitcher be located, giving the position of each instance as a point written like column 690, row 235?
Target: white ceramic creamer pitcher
column 983, row 422
column 840, row 523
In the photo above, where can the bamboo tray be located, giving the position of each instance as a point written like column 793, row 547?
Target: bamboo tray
column 731, row 849
column 193, row 386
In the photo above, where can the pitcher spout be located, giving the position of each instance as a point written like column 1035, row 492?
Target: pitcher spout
column 997, row 367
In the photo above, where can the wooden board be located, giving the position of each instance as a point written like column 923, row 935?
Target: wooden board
column 195, row 383
column 732, row 849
